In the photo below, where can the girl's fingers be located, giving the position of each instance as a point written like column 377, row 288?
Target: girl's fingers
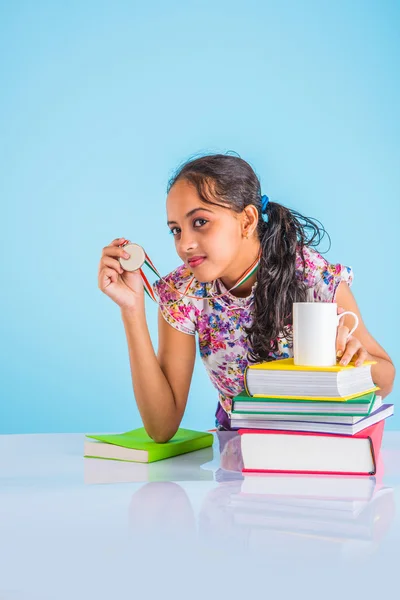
column 106, row 277
column 113, row 263
column 118, row 242
column 362, row 355
column 115, row 251
column 351, row 348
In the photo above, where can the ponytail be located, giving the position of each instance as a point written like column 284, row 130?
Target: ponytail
column 278, row 283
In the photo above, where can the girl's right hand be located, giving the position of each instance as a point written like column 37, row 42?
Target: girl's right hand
column 124, row 287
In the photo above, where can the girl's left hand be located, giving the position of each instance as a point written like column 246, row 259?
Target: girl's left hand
column 349, row 347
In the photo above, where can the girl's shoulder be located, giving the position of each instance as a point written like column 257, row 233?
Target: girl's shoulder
column 309, row 262
column 320, row 274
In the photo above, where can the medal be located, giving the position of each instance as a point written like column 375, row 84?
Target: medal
column 138, row 258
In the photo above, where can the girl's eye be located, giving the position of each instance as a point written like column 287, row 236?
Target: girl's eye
column 204, row 221
column 177, row 228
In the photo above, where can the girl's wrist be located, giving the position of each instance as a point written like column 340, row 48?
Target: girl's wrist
column 132, row 313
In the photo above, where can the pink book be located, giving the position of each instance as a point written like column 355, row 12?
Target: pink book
column 274, row 451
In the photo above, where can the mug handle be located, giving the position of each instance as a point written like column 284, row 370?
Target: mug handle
column 349, row 312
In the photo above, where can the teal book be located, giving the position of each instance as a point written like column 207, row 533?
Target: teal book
column 137, row 446
column 360, row 406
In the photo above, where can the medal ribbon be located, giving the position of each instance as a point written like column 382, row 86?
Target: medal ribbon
column 150, row 292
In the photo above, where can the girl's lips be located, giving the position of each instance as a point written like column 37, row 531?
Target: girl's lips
column 197, row 262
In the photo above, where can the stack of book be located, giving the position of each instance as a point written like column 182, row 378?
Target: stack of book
column 318, row 419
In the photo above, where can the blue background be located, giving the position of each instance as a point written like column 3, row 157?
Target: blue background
column 101, row 101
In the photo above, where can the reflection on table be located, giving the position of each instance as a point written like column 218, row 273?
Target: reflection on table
column 340, row 516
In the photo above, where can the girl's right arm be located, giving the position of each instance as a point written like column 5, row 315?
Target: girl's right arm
column 160, row 383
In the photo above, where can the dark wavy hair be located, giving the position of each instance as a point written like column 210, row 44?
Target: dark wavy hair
column 233, row 182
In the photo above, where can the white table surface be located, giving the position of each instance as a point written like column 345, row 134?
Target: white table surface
column 72, row 527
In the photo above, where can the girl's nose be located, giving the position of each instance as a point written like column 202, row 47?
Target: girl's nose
column 187, row 242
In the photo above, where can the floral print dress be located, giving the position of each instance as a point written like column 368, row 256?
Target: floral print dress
column 219, row 323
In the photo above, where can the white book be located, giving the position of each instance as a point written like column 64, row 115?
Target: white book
column 247, row 422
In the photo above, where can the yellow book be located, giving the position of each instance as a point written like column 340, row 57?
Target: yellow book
column 289, row 370
column 287, row 364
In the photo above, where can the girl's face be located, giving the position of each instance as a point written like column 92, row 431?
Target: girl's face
column 211, row 233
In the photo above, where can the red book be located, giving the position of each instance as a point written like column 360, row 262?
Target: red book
column 274, row 451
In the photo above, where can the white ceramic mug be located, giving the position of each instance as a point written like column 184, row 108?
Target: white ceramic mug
column 314, row 333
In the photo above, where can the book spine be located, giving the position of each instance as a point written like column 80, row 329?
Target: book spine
column 353, row 473
column 298, row 414
column 376, row 442
column 374, row 457
column 359, row 399
column 245, row 380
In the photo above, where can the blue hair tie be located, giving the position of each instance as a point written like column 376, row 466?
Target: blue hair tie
column 264, row 202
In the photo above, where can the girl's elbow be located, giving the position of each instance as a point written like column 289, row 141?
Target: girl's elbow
column 392, row 379
column 161, row 437
column 388, row 387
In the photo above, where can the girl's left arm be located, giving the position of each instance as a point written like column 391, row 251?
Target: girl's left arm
column 361, row 346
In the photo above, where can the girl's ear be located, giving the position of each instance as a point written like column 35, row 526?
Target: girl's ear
column 249, row 220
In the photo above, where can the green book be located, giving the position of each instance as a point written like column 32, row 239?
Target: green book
column 137, row 446
column 360, row 406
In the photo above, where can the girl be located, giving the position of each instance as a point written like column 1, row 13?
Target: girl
column 245, row 261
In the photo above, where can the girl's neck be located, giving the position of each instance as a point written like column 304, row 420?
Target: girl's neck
column 245, row 261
